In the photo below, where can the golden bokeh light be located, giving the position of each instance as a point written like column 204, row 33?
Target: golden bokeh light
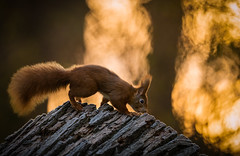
column 206, row 94
column 117, row 35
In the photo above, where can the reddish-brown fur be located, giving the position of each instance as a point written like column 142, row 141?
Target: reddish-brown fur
column 32, row 84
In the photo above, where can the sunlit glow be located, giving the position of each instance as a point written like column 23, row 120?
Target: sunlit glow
column 117, row 35
column 206, row 94
column 57, row 98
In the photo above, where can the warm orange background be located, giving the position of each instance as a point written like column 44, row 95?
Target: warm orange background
column 39, row 31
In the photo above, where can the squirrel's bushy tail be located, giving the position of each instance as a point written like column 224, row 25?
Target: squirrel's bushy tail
column 31, row 85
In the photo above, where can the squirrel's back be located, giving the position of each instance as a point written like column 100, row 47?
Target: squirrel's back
column 30, row 85
column 105, row 79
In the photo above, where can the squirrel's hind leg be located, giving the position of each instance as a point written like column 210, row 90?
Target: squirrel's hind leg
column 75, row 105
column 104, row 100
column 78, row 99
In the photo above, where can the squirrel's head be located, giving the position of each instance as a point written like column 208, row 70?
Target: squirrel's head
column 139, row 101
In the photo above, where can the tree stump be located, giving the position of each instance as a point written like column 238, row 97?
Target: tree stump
column 103, row 131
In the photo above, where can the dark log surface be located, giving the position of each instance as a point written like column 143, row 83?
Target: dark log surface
column 103, row 131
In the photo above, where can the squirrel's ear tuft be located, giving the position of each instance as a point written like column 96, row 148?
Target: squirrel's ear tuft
column 145, row 83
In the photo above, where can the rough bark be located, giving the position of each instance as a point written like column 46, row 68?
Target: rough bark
column 103, row 131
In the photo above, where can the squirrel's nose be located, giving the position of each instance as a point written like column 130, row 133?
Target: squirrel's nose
column 143, row 110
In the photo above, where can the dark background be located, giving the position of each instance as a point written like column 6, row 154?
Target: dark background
column 38, row 31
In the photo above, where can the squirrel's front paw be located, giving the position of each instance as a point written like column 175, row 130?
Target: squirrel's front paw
column 134, row 114
column 77, row 107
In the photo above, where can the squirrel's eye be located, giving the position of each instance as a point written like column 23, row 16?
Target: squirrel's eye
column 141, row 101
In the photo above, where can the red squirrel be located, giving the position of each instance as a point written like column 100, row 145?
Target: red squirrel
column 31, row 85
